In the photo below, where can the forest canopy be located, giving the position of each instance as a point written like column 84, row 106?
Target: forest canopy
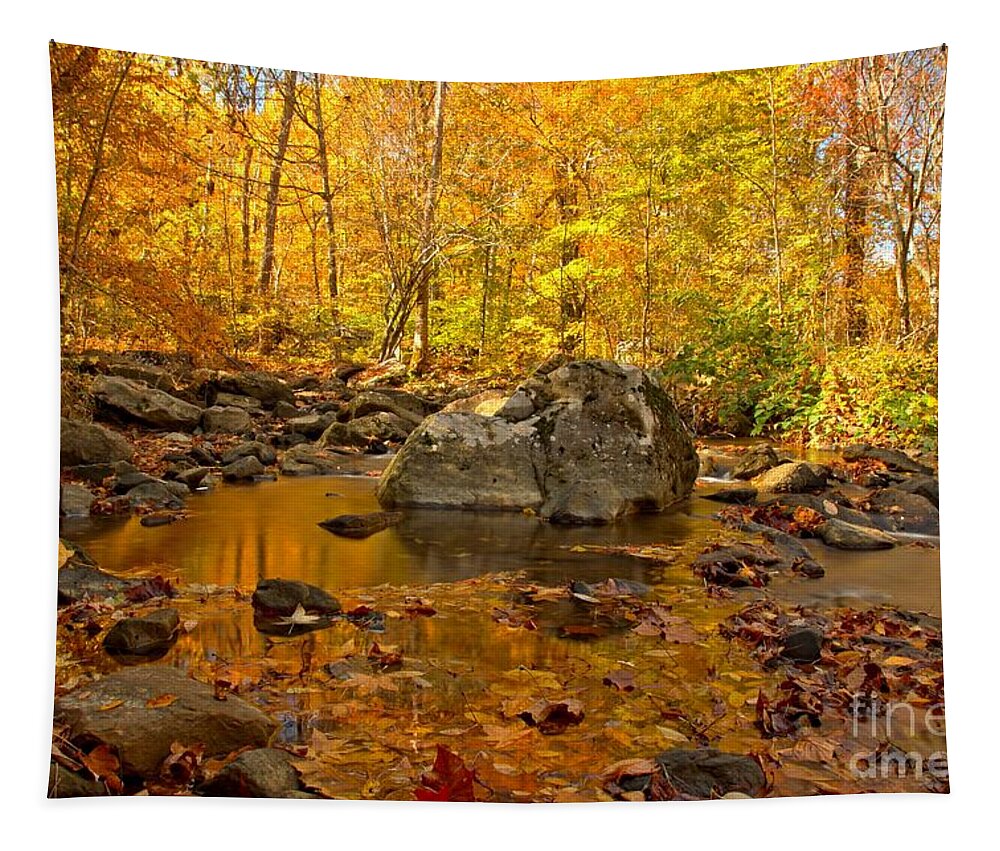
column 766, row 239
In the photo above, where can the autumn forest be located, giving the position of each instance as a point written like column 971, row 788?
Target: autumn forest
column 766, row 238
column 498, row 442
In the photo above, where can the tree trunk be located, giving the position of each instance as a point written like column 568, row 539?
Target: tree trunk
column 421, row 343
column 324, row 165
column 266, row 280
column 855, row 214
column 98, row 165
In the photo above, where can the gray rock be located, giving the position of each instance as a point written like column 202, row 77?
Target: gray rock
column 607, row 441
column 361, row 525
column 234, row 400
column 382, row 426
column 226, row 420
column 409, row 408
column 487, row 403
column 143, row 734
column 708, row 773
column 242, row 469
column 150, row 636
column 88, row 444
column 758, row 460
column 124, row 482
column 907, row 512
column 311, row 425
column 269, row 389
column 925, row 486
column 518, row 407
column 280, row 597
column 284, row 411
column 80, row 581
column 132, row 401
column 802, row 644
column 305, row 460
column 261, row 451
column 261, row 773
column 791, row 477
column 74, row 500
column 154, row 376
column 846, row 536
column 63, row 783
column 735, row 496
column 192, row 477
column 154, row 493
column 892, row 458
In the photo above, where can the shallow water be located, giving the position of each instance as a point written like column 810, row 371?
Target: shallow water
column 238, row 534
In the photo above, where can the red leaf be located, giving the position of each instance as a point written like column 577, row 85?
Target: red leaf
column 448, row 780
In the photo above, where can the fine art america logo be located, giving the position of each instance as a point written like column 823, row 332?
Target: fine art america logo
column 886, row 720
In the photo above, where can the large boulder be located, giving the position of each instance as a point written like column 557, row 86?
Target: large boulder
column 142, row 733
column 585, row 443
column 87, row 443
column 132, row 401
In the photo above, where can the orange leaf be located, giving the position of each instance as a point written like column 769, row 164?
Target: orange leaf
column 161, row 701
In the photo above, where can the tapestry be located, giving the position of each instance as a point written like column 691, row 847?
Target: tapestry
column 498, row 442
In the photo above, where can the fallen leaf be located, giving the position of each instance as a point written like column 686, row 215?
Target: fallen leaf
column 448, row 780
column 161, row 701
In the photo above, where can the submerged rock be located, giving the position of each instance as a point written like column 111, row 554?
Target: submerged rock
column 145, row 638
column 600, row 440
column 361, row 525
column 143, row 734
column 802, row 644
column 281, row 597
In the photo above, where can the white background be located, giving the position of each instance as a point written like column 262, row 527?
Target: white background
column 433, row 39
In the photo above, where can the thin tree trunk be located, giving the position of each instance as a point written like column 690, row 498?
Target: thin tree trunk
column 421, row 343
column 246, row 264
column 855, row 214
column 98, row 166
column 266, row 280
column 324, row 165
column 775, row 231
